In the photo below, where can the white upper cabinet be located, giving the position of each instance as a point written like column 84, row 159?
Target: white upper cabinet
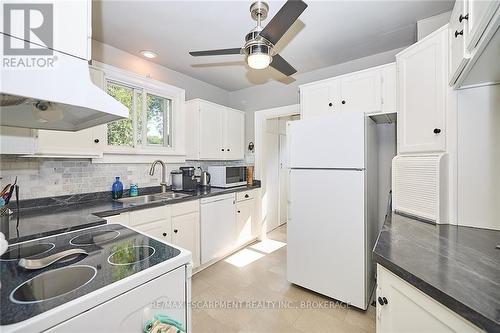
column 320, row 98
column 234, row 125
column 66, row 25
column 371, row 90
column 422, row 82
column 478, row 15
column 361, row 91
column 214, row 132
column 211, row 136
column 458, row 54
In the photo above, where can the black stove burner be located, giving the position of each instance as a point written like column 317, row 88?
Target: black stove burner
column 131, row 255
column 94, row 237
column 17, row 252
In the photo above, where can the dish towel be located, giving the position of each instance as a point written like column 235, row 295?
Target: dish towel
column 163, row 324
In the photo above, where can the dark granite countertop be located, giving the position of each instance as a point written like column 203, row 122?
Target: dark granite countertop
column 457, row 266
column 48, row 216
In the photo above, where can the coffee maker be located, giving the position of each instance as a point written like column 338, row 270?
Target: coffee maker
column 189, row 182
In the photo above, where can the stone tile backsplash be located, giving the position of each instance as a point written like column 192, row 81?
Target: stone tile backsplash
column 45, row 177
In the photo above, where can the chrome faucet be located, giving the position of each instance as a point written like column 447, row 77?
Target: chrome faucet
column 163, row 183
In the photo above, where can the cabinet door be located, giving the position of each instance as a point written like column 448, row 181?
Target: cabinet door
column 86, row 142
column 159, row 229
column 389, row 103
column 218, row 228
column 15, row 140
column 234, row 135
column 186, row 234
column 244, row 217
column 458, row 56
column 361, row 92
column 422, row 81
column 211, row 146
column 480, row 13
column 409, row 310
column 319, row 99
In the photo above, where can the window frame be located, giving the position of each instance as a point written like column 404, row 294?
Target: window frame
column 147, row 85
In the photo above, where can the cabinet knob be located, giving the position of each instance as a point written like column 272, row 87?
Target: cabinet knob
column 222, row 149
column 228, row 149
column 343, row 102
column 330, row 104
column 437, row 130
column 458, row 33
column 96, row 140
column 382, row 301
column 164, row 234
column 176, row 231
column 461, row 18
column 239, row 212
column 246, row 196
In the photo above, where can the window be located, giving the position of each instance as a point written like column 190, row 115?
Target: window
column 150, row 118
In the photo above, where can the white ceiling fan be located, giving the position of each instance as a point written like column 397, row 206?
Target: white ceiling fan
column 260, row 41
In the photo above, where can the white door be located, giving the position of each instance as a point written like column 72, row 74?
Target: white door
column 319, row 99
column 480, row 13
column 271, row 182
column 234, row 135
column 159, row 229
column 422, row 80
column 218, row 227
column 186, row 234
column 326, row 222
column 87, row 142
column 389, row 80
column 336, row 141
column 283, row 179
column 458, row 58
column 244, row 215
column 361, row 92
column 211, row 135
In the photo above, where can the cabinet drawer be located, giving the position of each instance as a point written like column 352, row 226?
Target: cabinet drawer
column 185, row 207
column 247, row 195
column 149, row 215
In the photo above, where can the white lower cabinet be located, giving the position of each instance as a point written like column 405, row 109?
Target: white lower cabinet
column 185, row 229
column 407, row 309
column 244, row 220
column 218, row 227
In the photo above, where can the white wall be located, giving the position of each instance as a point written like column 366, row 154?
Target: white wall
column 430, row 24
column 276, row 94
column 478, row 164
column 194, row 88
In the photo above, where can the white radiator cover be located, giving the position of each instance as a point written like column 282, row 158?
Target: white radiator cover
column 420, row 186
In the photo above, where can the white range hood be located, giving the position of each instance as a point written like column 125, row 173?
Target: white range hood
column 61, row 97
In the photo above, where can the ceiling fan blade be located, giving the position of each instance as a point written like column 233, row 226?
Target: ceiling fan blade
column 283, row 20
column 216, row 52
column 282, row 65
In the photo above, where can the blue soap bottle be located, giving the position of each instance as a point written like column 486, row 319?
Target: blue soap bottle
column 117, row 189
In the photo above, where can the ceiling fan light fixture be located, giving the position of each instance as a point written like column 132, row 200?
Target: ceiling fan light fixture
column 259, row 60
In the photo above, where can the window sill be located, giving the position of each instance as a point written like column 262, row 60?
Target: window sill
column 140, row 156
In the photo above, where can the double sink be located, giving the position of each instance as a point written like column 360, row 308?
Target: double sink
column 149, row 198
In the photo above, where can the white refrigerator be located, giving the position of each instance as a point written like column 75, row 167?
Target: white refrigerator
column 333, row 225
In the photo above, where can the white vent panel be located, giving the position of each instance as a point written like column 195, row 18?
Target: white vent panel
column 418, row 185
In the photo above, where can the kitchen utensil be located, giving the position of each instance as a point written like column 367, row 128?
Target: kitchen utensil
column 205, row 178
column 5, row 190
column 49, row 260
column 11, row 190
column 176, row 180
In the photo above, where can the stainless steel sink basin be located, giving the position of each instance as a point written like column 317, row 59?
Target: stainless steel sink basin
column 144, row 199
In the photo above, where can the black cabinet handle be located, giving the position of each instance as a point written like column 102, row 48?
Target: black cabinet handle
column 96, row 140
column 343, row 102
column 164, row 234
column 222, row 149
column 228, row 149
column 239, row 212
column 458, row 33
column 330, row 104
column 461, row 18
column 176, row 231
column 246, row 195
column 382, row 301
column 437, row 130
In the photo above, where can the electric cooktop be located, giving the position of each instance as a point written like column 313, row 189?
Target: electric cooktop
column 114, row 253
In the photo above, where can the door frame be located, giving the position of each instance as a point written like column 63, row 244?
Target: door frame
column 260, row 173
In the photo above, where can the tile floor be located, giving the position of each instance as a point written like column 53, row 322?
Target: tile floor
column 256, row 297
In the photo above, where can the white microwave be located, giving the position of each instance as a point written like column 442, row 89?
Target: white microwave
column 227, row 176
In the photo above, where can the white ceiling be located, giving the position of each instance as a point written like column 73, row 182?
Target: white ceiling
column 327, row 33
